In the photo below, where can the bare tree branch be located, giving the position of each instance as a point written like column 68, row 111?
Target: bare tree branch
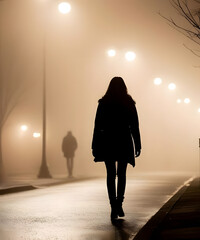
column 193, row 51
column 191, row 26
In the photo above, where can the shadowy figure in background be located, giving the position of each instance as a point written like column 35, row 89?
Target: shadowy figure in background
column 69, row 145
column 116, row 126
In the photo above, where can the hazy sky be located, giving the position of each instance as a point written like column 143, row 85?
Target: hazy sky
column 78, row 71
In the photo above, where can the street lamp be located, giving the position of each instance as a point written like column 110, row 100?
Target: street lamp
column 64, row 8
column 111, row 53
column 36, row 135
column 130, row 56
column 178, row 100
column 172, row 86
column 157, row 81
column 186, row 100
column 24, row 128
column 199, row 110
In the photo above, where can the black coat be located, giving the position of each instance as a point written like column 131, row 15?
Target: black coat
column 116, row 131
column 69, row 145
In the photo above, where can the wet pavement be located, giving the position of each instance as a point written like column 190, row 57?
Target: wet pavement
column 178, row 219
column 80, row 210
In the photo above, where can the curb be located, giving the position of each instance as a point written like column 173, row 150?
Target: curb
column 22, row 188
column 147, row 231
column 17, row 189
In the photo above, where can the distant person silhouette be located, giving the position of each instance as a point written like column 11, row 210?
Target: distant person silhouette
column 116, row 126
column 69, row 145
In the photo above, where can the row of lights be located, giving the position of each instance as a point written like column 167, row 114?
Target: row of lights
column 64, row 8
column 172, row 86
column 129, row 56
column 24, row 128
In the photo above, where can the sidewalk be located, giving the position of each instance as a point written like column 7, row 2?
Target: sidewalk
column 19, row 184
column 178, row 219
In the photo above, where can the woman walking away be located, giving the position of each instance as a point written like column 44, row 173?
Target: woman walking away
column 116, row 124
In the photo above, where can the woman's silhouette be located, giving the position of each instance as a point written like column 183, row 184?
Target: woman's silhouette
column 116, row 124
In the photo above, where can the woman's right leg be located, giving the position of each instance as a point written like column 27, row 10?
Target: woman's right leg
column 121, row 184
column 111, row 176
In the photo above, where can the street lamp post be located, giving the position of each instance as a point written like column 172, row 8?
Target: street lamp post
column 44, row 171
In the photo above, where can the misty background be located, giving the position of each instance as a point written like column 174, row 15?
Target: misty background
column 78, row 72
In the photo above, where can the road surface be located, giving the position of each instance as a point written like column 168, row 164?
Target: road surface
column 80, row 210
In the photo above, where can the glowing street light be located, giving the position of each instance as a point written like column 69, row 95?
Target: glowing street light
column 179, row 100
column 24, row 128
column 64, row 7
column 157, row 81
column 36, row 135
column 199, row 110
column 111, row 53
column 186, row 100
column 130, row 56
column 172, row 86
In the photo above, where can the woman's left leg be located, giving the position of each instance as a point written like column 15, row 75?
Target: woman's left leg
column 111, row 176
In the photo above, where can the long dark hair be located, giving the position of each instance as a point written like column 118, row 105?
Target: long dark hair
column 117, row 90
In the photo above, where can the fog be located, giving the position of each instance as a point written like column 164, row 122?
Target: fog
column 78, row 72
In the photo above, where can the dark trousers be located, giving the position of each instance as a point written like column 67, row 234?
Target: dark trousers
column 112, row 172
column 70, row 165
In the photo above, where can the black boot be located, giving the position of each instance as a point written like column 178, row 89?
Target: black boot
column 120, row 211
column 113, row 214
